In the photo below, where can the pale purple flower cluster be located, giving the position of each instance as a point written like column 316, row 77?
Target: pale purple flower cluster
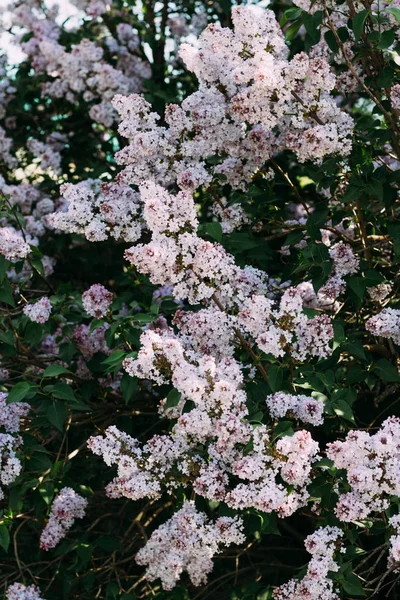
column 187, row 542
column 11, row 414
column 67, row 506
column 385, row 324
column 286, row 329
column 379, row 292
column 239, row 82
column 89, row 343
column 315, row 585
column 305, row 408
column 98, row 211
column 372, row 463
column 19, row 591
column 394, row 551
column 10, row 465
column 12, row 244
column 40, row 311
column 97, row 300
column 82, row 70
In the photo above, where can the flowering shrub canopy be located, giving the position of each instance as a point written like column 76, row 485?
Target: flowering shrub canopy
column 199, row 307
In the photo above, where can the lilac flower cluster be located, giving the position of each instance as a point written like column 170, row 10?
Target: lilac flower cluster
column 97, row 300
column 39, row 312
column 187, row 542
column 66, row 507
column 372, row 464
column 315, row 585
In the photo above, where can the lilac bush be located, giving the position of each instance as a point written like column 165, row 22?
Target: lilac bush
column 199, row 309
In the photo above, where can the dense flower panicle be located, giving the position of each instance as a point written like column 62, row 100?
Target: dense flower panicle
column 11, row 414
column 40, row 311
column 19, row 591
column 344, row 260
column 394, row 550
column 305, row 408
column 97, row 300
column 246, row 91
column 187, row 542
column 98, row 211
column 89, row 343
column 385, row 324
column 10, row 465
column 67, row 506
column 12, row 244
column 287, row 328
column 372, row 463
column 315, row 585
column 379, row 292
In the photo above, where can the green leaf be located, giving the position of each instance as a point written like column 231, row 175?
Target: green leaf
column 6, row 293
column 63, row 391
column 358, row 23
column 358, row 285
column 395, row 12
column 4, row 537
column 56, row 413
column 352, row 585
column 386, row 371
column 128, row 386
column 342, row 409
column 54, row 371
column 214, row 230
column 19, row 392
column 275, row 377
column 33, row 333
column 172, row 399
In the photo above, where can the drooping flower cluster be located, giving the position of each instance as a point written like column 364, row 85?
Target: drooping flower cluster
column 19, row 591
column 187, row 542
column 98, row 211
column 372, row 463
column 287, row 328
column 247, row 90
column 81, row 71
column 10, row 465
column 66, row 507
column 385, row 324
column 305, row 408
column 11, row 414
column 97, row 300
column 394, row 551
column 12, row 244
column 315, row 585
column 39, row 312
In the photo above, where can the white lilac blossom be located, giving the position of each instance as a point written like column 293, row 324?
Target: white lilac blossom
column 97, row 300
column 82, row 71
column 344, row 260
column 305, row 408
column 372, row 463
column 263, row 89
column 11, row 414
column 394, row 550
column 98, row 211
column 379, row 292
column 19, row 591
column 39, row 312
column 315, row 585
column 67, row 506
column 89, row 343
column 385, row 324
column 10, row 465
column 286, row 328
column 12, row 244
column 187, row 542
